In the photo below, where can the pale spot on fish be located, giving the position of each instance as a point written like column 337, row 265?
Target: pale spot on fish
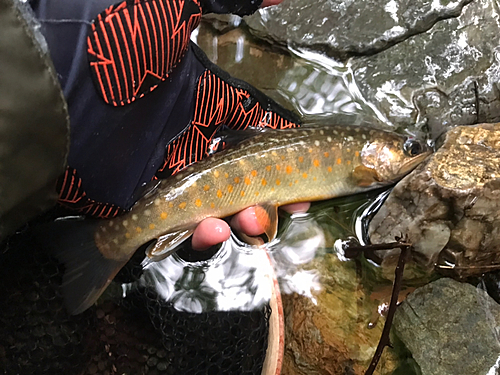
column 117, row 227
column 157, row 202
column 111, row 223
column 316, row 143
column 115, row 241
column 321, row 132
column 128, row 235
column 147, row 212
column 289, row 149
column 363, row 136
column 135, row 217
column 350, row 138
column 329, row 139
column 216, row 174
column 125, row 223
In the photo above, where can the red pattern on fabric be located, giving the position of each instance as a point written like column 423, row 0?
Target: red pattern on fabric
column 217, row 103
column 72, row 196
column 134, row 45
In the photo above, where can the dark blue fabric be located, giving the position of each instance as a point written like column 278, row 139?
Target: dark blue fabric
column 115, row 150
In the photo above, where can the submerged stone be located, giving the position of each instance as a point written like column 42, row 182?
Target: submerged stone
column 450, row 328
column 342, row 28
column 450, row 205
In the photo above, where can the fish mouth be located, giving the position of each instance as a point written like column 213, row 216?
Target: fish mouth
column 412, row 163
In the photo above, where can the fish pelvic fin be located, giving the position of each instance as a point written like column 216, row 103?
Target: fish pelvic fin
column 267, row 216
column 87, row 272
column 167, row 244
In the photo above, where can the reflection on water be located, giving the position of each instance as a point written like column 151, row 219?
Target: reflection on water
column 309, row 82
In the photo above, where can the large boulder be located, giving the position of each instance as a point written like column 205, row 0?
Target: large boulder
column 450, row 205
column 450, row 328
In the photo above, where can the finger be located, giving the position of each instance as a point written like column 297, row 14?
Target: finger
column 210, row 232
column 268, row 3
column 247, row 222
column 295, row 208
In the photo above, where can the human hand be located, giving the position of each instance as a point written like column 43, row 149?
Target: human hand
column 268, row 3
column 213, row 231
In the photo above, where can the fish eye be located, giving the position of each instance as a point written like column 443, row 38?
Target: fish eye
column 412, row 147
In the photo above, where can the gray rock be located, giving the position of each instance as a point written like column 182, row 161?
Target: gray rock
column 444, row 77
column 450, row 328
column 450, row 206
column 343, row 28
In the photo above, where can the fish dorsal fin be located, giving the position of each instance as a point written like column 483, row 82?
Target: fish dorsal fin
column 364, row 176
column 267, row 216
column 167, row 244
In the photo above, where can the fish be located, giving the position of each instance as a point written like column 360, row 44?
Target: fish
column 270, row 169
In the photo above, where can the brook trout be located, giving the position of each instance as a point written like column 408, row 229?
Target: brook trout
column 271, row 169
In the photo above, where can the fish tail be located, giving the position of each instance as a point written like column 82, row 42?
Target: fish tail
column 87, row 271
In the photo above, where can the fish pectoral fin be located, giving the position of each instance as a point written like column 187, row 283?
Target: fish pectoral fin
column 267, row 216
column 87, row 272
column 364, row 176
column 167, row 244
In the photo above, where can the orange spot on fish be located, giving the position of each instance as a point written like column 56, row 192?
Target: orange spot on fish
column 283, row 157
column 264, row 182
column 151, row 226
column 170, row 204
column 128, row 235
column 289, row 169
column 247, row 181
column 206, row 188
column 212, row 205
column 278, row 182
column 290, row 184
column 314, row 178
column 268, row 168
column 253, row 173
column 242, row 193
column 226, row 175
column 138, row 229
column 310, row 150
column 163, row 215
column 257, row 193
column 182, row 205
column 329, row 169
column 304, row 175
column 316, row 162
column 236, row 180
column 339, row 161
column 198, row 202
column 301, row 159
column 219, row 193
column 278, row 167
column 348, row 162
column 230, row 188
column 356, row 153
column 326, row 154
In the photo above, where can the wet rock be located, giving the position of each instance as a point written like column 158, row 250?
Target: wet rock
column 450, row 328
column 450, row 206
column 446, row 76
column 33, row 120
column 329, row 332
column 345, row 28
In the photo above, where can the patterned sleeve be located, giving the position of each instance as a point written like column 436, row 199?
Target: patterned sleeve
column 222, row 100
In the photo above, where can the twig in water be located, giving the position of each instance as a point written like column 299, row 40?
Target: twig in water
column 396, row 288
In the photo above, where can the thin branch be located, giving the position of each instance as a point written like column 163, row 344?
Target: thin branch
column 398, row 279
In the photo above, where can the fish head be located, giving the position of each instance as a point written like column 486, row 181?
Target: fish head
column 388, row 157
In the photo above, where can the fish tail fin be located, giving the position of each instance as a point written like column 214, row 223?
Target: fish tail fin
column 87, row 272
